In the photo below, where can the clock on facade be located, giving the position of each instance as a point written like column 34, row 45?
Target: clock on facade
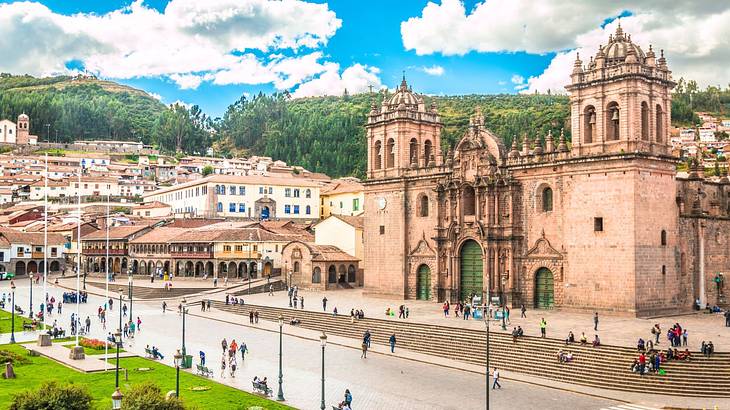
column 382, row 203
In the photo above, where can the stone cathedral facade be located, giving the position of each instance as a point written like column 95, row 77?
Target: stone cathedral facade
column 599, row 223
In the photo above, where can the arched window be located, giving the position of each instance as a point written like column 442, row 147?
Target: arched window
column 390, row 152
column 423, row 206
column 612, row 122
column 413, row 152
column 659, row 123
column 308, row 193
column 644, row 121
column 220, row 207
column 547, row 199
column 296, row 267
column 468, row 200
column 590, row 124
column 351, row 273
column 317, row 275
column 309, row 210
column 378, row 155
column 427, row 151
column 664, row 238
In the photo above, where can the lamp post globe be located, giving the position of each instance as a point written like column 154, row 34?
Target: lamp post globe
column 117, row 399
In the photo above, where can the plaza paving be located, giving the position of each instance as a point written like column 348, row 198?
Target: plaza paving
column 381, row 381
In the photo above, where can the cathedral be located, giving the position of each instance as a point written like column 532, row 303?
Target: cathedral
column 598, row 223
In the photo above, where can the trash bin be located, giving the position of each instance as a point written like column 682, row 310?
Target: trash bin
column 187, row 361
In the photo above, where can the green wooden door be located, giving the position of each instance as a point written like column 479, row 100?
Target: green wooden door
column 472, row 281
column 423, row 283
column 544, row 291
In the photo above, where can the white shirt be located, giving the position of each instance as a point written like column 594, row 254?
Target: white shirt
column 496, row 375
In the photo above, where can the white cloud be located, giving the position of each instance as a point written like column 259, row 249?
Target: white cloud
column 156, row 96
column 355, row 79
column 189, row 42
column 695, row 32
column 435, row 70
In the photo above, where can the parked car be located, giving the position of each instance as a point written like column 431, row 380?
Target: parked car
column 6, row 275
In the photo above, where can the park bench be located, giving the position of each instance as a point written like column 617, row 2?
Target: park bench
column 28, row 326
column 148, row 354
column 261, row 388
column 204, row 371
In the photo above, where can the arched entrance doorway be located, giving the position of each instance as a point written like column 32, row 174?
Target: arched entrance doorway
column 544, row 289
column 472, row 277
column 265, row 212
column 423, row 283
column 332, row 274
column 19, row 268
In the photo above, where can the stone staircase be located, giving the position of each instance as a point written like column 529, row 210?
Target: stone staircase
column 606, row 367
column 142, row 292
column 259, row 287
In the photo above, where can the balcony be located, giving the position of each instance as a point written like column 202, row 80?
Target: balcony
column 239, row 255
column 103, row 252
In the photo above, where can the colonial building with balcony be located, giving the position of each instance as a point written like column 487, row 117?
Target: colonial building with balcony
column 151, row 251
column 23, row 252
column 94, row 248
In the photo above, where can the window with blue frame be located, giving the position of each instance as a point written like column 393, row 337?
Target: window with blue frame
column 232, row 207
column 242, row 190
column 271, row 190
column 241, row 207
column 308, row 210
column 232, row 190
column 220, row 207
column 261, row 190
column 287, row 209
column 223, row 189
column 287, row 192
column 296, row 209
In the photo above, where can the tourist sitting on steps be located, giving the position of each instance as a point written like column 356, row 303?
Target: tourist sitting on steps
column 583, row 339
column 570, row 339
column 640, row 346
column 596, row 341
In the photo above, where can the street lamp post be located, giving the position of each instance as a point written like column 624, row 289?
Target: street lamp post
column 178, row 361
column 184, row 311
column 120, row 310
column 30, row 311
column 486, row 323
column 117, row 399
column 129, row 275
column 323, row 341
column 280, row 396
column 118, row 342
column 12, row 309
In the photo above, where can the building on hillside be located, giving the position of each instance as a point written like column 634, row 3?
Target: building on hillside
column 23, row 252
column 154, row 209
column 345, row 196
column 244, row 197
column 591, row 226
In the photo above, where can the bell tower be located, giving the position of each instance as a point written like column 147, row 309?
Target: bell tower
column 621, row 101
column 402, row 134
column 23, row 129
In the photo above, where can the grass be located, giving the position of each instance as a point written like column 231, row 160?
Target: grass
column 6, row 320
column 101, row 384
column 92, row 352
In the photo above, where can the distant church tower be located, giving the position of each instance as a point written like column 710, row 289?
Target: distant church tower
column 621, row 101
column 23, row 129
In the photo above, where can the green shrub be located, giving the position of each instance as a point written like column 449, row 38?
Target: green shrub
column 148, row 396
column 7, row 356
column 51, row 395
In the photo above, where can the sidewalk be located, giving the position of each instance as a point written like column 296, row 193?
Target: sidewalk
column 613, row 330
column 647, row 399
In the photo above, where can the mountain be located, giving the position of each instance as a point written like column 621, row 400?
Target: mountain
column 80, row 107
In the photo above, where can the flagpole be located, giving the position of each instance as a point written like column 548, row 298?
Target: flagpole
column 106, row 301
column 45, row 245
column 78, row 261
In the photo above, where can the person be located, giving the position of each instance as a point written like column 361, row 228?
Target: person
column 271, row 290
column 223, row 366
column 401, row 312
column 392, row 343
column 88, row 324
column 710, row 349
column 256, row 316
column 324, row 304
column 495, row 377
column 364, row 348
column 642, row 363
column 224, row 345
column 301, row 302
column 164, row 306
column 560, row 356
column 334, row 312
column 202, row 358
column 640, row 345
column 202, row 305
column 570, row 339
column 295, row 302
column 684, row 337
column 543, row 328
column 366, row 337
column 596, row 341
column 514, row 335
column 520, row 332
column 124, row 310
column 523, row 310
column 208, row 304
column 232, row 365
column 250, row 316
column 348, row 398
column 656, row 331
column 583, row 339
column 595, row 321
column 243, row 349
column 727, row 316
column 233, row 348
column 156, row 353
column 139, row 324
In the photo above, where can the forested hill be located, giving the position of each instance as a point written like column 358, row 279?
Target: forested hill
column 79, row 107
column 327, row 134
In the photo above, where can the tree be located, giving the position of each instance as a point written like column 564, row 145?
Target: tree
column 148, row 396
column 51, row 395
column 207, row 170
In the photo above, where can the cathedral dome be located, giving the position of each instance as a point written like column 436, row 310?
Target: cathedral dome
column 619, row 46
column 405, row 97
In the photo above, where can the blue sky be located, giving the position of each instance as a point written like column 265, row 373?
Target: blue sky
column 211, row 52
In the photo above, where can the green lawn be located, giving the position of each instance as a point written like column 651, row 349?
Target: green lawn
column 92, row 352
column 101, row 385
column 5, row 320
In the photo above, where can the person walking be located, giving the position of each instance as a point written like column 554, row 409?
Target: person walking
column 495, row 377
column 595, row 321
column 301, row 301
column 366, row 337
column 202, row 358
column 208, row 304
column 139, row 324
column 684, row 337
column 250, row 316
column 202, row 305
column 324, row 304
column 223, row 366
column 256, row 316
column 243, row 349
column 124, row 309
column 224, row 345
column 364, row 347
column 523, row 310
column 164, row 307
column 543, row 328
column 392, row 343
column 232, row 364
